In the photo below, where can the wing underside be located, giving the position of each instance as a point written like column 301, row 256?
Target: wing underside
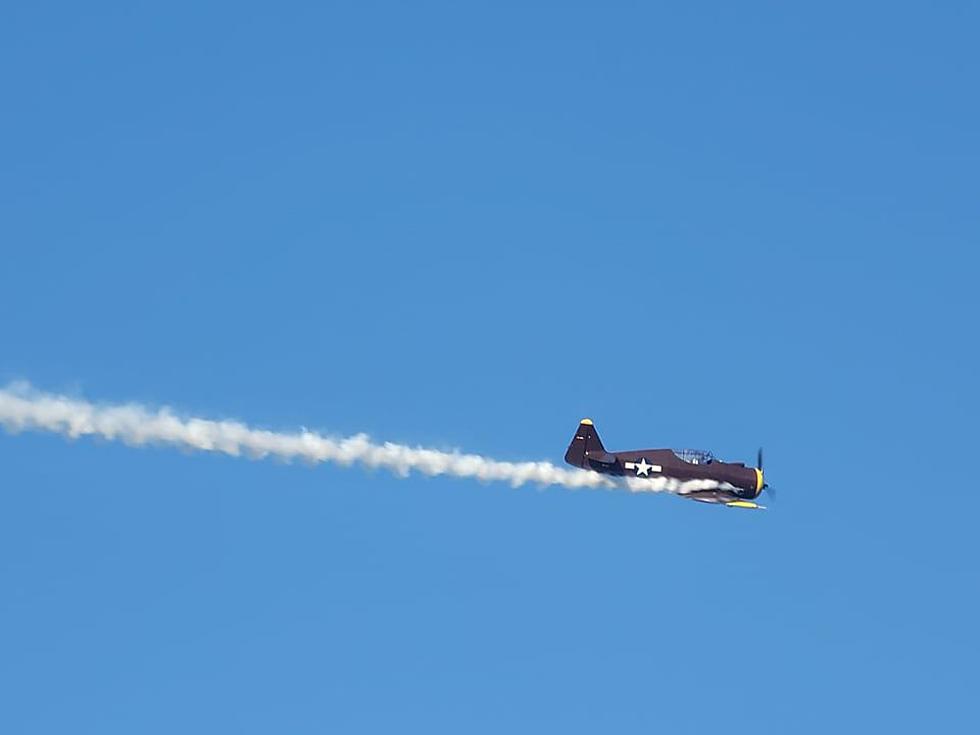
column 722, row 498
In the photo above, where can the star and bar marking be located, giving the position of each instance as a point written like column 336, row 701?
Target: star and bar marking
column 642, row 468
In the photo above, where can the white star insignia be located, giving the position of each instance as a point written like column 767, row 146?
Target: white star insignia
column 643, row 468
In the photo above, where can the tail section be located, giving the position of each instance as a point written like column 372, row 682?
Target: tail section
column 584, row 444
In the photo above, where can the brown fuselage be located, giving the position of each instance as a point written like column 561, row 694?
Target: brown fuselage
column 737, row 481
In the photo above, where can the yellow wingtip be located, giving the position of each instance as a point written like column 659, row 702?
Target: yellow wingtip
column 587, row 422
column 745, row 504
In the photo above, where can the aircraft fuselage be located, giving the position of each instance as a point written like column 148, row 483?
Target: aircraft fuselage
column 736, row 483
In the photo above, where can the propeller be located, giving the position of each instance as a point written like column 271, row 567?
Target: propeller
column 765, row 486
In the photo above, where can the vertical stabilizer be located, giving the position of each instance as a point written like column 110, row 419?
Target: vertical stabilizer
column 586, row 440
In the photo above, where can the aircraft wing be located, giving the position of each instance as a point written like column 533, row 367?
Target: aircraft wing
column 714, row 499
column 745, row 504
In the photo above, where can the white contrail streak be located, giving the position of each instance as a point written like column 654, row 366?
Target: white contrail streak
column 24, row 408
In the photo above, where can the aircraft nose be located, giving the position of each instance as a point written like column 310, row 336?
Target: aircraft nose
column 759, row 481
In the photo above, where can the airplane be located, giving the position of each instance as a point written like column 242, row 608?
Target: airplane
column 738, row 485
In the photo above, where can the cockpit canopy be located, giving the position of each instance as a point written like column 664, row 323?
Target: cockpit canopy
column 695, row 456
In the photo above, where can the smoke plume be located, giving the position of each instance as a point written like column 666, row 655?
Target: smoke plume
column 24, row 408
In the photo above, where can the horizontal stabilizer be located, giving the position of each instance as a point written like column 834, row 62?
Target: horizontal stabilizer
column 602, row 457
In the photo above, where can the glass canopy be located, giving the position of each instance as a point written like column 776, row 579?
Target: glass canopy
column 695, row 456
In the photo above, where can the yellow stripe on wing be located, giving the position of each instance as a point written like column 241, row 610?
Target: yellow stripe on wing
column 745, row 504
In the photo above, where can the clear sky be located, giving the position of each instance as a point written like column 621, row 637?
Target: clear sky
column 469, row 225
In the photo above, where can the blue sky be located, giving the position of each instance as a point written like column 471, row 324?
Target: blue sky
column 469, row 225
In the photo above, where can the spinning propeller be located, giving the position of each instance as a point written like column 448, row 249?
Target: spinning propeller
column 765, row 485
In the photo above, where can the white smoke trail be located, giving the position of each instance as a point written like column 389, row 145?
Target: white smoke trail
column 24, row 408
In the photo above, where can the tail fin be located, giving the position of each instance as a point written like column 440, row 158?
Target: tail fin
column 585, row 442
